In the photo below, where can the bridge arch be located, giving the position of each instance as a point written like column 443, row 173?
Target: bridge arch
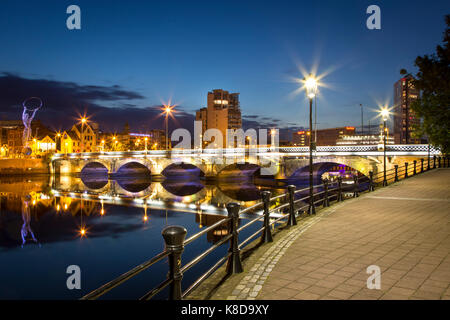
column 94, row 175
column 239, row 170
column 182, row 170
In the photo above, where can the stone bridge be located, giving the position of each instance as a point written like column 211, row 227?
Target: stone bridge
column 280, row 162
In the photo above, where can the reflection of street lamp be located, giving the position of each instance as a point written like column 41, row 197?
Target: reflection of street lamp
column 385, row 115
column 311, row 91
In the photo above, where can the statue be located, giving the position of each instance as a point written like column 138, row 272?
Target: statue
column 30, row 107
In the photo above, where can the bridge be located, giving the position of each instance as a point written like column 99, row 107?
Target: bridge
column 280, row 162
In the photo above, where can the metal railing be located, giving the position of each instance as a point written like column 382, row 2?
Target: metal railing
column 174, row 236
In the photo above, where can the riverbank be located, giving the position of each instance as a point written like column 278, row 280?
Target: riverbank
column 10, row 167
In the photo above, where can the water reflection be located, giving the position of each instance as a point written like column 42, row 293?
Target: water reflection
column 65, row 208
column 26, row 231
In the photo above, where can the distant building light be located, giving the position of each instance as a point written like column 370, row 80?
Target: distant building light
column 140, row 135
column 221, row 101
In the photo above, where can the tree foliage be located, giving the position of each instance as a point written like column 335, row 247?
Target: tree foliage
column 433, row 105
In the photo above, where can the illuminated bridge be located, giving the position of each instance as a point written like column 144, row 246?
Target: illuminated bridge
column 279, row 162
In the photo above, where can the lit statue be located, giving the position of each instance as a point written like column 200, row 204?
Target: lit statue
column 30, row 106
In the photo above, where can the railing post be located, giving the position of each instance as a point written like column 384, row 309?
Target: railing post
column 174, row 241
column 428, row 163
column 396, row 173
column 434, row 162
column 292, row 221
column 339, row 195
column 355, row 186
column 371, row 184
column 406, row 169
column 234, row 264
column 421, row 165
column 326, row 201
column 266, row 234
column 414, row 171
column 439, row 162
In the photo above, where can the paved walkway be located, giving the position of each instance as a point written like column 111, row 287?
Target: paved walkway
column 404, row 229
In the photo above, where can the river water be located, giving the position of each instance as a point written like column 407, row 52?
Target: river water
column 106, row 228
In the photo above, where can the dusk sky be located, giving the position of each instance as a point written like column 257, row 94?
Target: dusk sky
column 131, row 56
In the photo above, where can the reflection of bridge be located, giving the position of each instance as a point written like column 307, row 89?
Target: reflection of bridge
column 283, row 162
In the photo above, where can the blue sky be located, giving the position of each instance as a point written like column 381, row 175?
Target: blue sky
column 183, row 49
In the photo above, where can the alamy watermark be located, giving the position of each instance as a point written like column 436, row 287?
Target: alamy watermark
column 74, row 280
column 374, row 280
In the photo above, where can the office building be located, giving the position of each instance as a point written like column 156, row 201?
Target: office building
column 404, row 118
column 222, row 112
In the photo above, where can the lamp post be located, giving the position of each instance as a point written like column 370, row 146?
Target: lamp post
column 83, row 121
column 311, row 90
column 167, row 110
column 385, row 115
column 145, row 140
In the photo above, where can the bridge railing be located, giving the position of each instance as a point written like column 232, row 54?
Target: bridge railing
column 292, row 204
column 356, row 149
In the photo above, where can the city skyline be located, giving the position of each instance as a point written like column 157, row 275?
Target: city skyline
column 156, row 62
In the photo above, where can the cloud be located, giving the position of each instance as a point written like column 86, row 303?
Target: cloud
column 111, row 106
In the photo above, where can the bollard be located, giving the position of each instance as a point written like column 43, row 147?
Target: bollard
column 292, row 221
column 266, row 234
column 406, row 170
column 371, row 184
column 414, row 171
column 428, row 163
column 326, row 201
column 396, row 173
column 355, row 186
column 439, row 162
column 174, row 241
column 234, row 264
column 339, row 195
column 434, row 162
column 421, row 165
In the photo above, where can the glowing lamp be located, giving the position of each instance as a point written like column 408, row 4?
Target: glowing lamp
column 311, row 86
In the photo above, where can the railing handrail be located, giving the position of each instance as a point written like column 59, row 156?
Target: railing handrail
column 266, row 234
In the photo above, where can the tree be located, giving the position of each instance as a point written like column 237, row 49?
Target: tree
column 433, row 105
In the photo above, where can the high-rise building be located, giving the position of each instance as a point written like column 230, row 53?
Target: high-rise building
column 222, row 112
column 404, row 118
column 325, row 137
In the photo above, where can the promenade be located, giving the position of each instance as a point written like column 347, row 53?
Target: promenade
column 404, row 229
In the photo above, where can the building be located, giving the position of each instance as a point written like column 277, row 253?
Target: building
column 69, row 142
column 325, row 137
column 404, row 118
column 222, row 112
column 87, row 134
column 11, row 136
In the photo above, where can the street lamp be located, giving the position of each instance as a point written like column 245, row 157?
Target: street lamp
column 83, row 121
column 311, row 91
column 167, row 110
column 385, row 115
column 146, row 139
